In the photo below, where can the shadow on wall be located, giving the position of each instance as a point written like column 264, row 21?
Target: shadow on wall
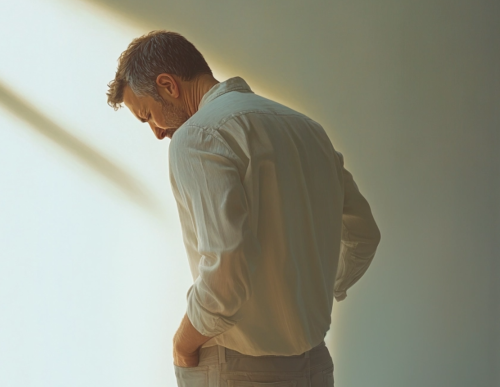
column 77, row 148
column 234, row 36
column 195, row 20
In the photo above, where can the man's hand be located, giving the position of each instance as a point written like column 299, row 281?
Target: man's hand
column 186, row 359
column 187, row 344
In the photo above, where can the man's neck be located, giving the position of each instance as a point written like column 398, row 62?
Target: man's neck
column 195, row 90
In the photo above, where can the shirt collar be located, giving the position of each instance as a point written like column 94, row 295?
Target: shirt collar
column 232, row 84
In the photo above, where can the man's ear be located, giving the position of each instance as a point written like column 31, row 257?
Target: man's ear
column 169, row 84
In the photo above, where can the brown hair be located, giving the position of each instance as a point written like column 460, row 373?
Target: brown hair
column 149, row 55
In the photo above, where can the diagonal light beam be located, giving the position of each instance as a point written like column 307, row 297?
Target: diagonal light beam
column 90, row 157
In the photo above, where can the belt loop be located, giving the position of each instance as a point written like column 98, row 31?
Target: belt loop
column 306, row 354
column 222, row 354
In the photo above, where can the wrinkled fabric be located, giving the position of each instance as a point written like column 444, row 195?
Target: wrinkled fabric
column 222, row 367
column 274, row 225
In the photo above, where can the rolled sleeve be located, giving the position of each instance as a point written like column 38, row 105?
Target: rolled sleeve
column 207, row 186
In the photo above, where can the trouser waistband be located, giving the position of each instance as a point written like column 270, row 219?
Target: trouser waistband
column 222, row 351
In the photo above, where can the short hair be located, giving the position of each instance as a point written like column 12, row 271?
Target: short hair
column 148, row 56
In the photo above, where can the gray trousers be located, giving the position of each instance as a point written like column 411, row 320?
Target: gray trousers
column 223, row 367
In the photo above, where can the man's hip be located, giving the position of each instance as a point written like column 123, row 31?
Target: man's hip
column 223, row 367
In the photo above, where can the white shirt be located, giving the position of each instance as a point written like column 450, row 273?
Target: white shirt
column 274, row 225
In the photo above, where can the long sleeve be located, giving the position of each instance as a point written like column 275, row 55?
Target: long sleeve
column 360, row 237
column 214, row 213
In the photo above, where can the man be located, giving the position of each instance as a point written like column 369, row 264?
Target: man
column 273, row 224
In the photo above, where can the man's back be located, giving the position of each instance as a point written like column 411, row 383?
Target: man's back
column 264, row 203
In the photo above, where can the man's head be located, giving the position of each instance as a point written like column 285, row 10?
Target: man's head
column 159, row 78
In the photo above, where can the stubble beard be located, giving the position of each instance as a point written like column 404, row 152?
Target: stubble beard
column 174, row 116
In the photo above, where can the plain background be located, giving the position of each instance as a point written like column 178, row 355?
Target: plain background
column 93, row 273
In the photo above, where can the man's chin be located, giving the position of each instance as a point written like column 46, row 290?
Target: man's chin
column 166, row 133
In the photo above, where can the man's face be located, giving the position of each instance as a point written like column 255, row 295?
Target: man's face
column 163, row 117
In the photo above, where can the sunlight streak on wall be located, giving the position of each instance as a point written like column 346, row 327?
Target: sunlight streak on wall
column 92, row 287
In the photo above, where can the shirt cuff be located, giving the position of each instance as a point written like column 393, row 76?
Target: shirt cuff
column 204, row 321
column 340, row 296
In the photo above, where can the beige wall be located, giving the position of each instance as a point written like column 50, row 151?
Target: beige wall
column 92, row 287
column 406, row 90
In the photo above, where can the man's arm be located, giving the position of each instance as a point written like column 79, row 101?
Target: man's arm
column 360, row 236
column 207, row 186
column 187, row 342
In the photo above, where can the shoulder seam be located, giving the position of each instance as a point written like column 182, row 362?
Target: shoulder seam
column 210, row 131
column 257, row 111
